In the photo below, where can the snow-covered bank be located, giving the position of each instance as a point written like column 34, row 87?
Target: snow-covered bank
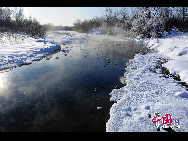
column 17, row 50
column 175, row 46
column 148, row 91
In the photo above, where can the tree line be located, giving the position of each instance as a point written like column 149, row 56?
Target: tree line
column 139, row 21
column 13, row 20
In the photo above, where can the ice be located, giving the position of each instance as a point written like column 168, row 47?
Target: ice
column 98, row 108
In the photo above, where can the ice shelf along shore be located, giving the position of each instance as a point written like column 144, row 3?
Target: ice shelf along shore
column 149, row 91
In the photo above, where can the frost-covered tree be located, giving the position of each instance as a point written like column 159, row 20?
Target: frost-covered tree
column 140, row 21
column 5, row 17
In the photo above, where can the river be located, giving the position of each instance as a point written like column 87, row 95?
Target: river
column 67, row 91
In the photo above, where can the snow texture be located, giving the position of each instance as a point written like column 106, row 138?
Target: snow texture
column 175, row 46
column 17, row 50
column 146, row 92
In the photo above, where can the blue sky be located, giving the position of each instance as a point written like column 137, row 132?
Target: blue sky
column 63, row 15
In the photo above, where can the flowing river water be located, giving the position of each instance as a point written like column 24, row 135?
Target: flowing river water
column 67, row 91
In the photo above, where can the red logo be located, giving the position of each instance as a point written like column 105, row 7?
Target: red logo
column 167, row 119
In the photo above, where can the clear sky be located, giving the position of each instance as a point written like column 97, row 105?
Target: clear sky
column 62, row 15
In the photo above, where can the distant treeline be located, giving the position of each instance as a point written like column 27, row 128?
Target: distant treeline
column 67, row 28
column 138, row 21
column 13, row 20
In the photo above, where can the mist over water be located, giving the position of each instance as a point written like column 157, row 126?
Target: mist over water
column 67, row 91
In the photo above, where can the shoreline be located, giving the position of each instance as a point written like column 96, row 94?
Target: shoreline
column 148, row 90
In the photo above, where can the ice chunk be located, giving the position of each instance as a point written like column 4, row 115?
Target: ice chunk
column 98, row 108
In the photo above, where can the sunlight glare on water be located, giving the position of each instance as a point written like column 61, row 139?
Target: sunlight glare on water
column 3, row 83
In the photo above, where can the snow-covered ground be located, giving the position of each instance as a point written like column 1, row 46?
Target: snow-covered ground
column 17, row 50
column 175, row 46
column 148, row 91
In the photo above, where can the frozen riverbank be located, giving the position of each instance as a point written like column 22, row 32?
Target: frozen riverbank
column 148, row 91
column 175, row 46
column 17, row 50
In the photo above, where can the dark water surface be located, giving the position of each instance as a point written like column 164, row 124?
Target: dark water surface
column 62, row 91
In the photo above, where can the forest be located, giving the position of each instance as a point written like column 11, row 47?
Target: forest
column 13, row 20
column 139, row 21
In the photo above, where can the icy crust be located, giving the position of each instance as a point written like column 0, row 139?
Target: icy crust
column 21, row 50
column 146, row 92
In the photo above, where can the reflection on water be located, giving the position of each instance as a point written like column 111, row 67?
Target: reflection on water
column 3, row 84
column 2, row 81
column 63, row 91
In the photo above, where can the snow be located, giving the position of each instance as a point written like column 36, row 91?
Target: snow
column 18, row 49
column 98, row 108
column 175, row 46
column 96, row 31
column 148, row 91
